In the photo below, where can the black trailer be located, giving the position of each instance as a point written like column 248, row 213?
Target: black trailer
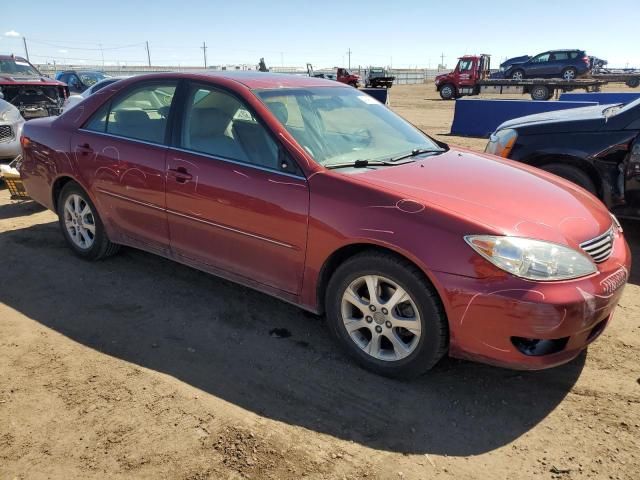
column 538, row 88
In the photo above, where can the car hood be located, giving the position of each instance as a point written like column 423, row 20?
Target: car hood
column 499, row 196
column 6, row 79
column 586, row 114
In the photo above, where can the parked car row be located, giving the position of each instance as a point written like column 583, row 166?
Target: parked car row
column 316, row 193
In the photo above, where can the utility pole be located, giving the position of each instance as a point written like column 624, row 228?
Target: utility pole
column 442, row 59
column 204, row 53
column 102, row 54
column 148, row 54
column 349, row 53
column 26, row 50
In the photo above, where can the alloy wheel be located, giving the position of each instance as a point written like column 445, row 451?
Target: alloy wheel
column 79, row 221
column 381, row 318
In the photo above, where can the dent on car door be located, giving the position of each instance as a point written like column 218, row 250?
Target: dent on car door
column 121, row 152
column 231, row 205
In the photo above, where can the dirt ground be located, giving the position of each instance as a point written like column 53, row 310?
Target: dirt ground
column 137, row 367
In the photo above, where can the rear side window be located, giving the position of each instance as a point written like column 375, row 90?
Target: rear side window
column 141, row 114
column 562, row 56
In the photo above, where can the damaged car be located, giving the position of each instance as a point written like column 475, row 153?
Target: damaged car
column 33, row 94
column 11, row 123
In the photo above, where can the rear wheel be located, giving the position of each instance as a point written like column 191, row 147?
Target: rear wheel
column 541, row 92
column 448, row 92
column 633, row 82
column 569, row 73
column 573, row 174
column 81, row 225
column 386, row 315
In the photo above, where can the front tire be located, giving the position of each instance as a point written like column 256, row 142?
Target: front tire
column 573, row 174
column 81, row 225
column 386, row 315
column 448, row 92
column 517, row 74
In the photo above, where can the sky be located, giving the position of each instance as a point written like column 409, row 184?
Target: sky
column 399, row 33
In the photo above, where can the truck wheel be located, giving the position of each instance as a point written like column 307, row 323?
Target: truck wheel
column 448, row 92
column 541, row 92
column 517, row 74
column 573, row 174
column 569, row 74
column 633, row 82
column 386, row 315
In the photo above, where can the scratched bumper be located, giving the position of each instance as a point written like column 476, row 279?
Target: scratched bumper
column 487, row 317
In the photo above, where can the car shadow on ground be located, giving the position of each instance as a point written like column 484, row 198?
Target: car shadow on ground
column 19, row 208
column 215, row 335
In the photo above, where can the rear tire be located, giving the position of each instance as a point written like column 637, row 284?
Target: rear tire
column 573, row 174
column 541, row 92
column 569, row 73
column 448, row 92
column 369, row 332
column 81, row 225
column 633, row 82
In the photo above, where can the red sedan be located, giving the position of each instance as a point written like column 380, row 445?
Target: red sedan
column 317, row 194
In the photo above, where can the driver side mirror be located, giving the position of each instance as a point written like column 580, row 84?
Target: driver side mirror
column 286, row 163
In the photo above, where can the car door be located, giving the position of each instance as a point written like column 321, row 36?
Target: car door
column 538, row 66
column 121, row 152
column 235, row 200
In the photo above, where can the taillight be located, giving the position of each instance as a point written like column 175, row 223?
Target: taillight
column 586, row 60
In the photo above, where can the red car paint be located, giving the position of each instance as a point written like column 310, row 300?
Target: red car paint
column 278, row 233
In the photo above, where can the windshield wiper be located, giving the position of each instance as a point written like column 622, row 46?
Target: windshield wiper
column 414, row 153
column 360, row 164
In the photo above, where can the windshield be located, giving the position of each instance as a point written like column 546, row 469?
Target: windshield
column 91, row 78
column 17, row 67
column 338, row 125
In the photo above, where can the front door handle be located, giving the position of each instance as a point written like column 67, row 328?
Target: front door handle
column 84, row 148
column 180, row 174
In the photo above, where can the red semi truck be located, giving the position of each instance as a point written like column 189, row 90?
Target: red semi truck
column 471, row 77
column 339, row 74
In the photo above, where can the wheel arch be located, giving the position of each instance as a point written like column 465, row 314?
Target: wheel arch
column 577, row 162
column 56, row 188
column 339, row 256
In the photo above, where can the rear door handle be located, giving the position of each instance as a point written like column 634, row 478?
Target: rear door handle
column 180, row 174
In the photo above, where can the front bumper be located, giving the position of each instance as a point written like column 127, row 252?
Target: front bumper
column 503, row 321
column 10, row 139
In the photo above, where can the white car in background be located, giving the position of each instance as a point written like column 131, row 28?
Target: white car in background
column 77, row 98
column 11, row 123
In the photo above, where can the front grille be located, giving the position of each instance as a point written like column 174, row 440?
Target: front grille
column 601, row 247
column 6, row 133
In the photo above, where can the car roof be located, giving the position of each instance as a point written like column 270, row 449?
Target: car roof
column 13, row 57
column 252, row 79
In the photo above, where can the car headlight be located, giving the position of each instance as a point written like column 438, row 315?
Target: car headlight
column 532, row 259
column 10, row 115
column 501, row 142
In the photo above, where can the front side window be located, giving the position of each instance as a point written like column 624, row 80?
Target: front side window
column 465, row 65
column 141, row 114
column 218, row 124
column 541, row 58
column 338, row 124
column 91, row 78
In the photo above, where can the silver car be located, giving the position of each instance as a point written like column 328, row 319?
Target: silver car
column 11, row 123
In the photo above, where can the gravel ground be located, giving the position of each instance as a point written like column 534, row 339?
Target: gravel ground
column 137, row 367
